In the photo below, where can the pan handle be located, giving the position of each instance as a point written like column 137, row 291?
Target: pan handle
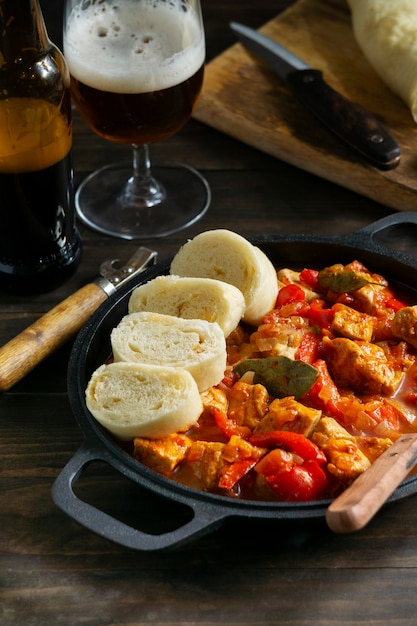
column 394, row 219
column 204, row 519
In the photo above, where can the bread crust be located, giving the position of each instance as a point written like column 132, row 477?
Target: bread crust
column 224, row 255
column 139, row 400
column 191, row 298
column 385, row 30
column 157, row 339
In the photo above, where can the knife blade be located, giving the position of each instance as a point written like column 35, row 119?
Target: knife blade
column 355, row 126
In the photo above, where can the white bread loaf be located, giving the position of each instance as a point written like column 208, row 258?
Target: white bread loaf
column 191, row 298
column 224, row 255
column 157, row 339
column 386, row 32
column 135, row 400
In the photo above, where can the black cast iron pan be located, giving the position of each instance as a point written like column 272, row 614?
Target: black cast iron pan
column 208, row 511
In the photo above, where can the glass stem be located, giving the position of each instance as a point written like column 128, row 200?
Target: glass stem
column 142, row 189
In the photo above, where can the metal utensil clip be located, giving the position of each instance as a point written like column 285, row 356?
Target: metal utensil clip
column 22, row 353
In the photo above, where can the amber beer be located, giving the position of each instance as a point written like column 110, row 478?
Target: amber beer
column 39, row 244
column 138, row 118
column 145, row 86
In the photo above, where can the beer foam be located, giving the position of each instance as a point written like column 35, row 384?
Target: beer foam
column 119, row 48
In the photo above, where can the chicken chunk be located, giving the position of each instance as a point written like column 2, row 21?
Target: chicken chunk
column 404, row 325
column 369, row 297
column 247, row 403
column 352, row 324
column 214, row 398
column 237, row 449
column 361, row 366
column 373, row 447
column 205, row 460
column 210, row 461
column 281, row 337
column 288, row 414
column 345, row 460
column 162, row 455
column 239, row 346
column 328, row 428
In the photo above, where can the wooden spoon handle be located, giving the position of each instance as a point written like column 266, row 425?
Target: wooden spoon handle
column 22, row 353
column 354, row 508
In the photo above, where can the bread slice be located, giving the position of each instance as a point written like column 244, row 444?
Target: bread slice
column 385, row 30
column 157, row 339
column 136, row 400
column 191, row 298
column 224, row 255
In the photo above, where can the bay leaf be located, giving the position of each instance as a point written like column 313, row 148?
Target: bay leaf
column 341, row 280
column 280, row 375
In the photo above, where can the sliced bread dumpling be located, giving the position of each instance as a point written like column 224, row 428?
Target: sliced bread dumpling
column 191, row 298
column 157, row 339
column 224, row 255
column 136, row 400
column 386, row 32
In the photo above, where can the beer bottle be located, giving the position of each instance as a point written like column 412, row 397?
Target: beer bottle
column 39, row 242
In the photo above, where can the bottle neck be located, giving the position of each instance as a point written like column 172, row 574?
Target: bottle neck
column 22, row 30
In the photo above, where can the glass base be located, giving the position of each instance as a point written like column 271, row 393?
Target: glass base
column 104, row 202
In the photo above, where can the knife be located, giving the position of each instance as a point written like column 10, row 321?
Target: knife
column 357, row 505
column 350, row 122
column 25, row 351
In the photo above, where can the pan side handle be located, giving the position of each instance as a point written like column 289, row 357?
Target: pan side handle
column 394, row 219
column 365, row 238
column 205, row 519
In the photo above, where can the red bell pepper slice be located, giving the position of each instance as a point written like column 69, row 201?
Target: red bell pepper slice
column 275, row 461
column 299, row 483
column 293, row 442
column 290, row 293
column 308, row 350
column 231, row 474
column 310, row 278
column 230, row 377
column 292, row 481
column 230, row 427
column 324, row 394
column 411, row 397
column 317, row 314
column 394, row 304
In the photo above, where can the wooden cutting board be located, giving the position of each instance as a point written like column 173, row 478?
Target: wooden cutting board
column 245, row 99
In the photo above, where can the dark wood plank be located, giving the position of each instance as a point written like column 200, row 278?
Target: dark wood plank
column 53, row 570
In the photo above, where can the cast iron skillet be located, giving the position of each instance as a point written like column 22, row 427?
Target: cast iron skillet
column 208, row 511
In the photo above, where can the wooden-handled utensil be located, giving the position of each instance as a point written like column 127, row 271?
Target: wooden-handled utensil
column 356, row 506
column 22, row 353
column 357, row 127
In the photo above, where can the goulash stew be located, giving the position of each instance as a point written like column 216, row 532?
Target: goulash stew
column 310, row 398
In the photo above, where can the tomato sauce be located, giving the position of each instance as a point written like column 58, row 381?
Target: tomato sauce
column 310, row 398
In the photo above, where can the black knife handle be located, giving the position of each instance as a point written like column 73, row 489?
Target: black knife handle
column 355, row 126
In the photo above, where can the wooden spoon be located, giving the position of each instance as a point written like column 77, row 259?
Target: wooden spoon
column 356, row 506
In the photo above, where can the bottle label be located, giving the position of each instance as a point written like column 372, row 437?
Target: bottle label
column 34, row 135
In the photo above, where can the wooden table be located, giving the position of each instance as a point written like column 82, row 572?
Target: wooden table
column 53, row 570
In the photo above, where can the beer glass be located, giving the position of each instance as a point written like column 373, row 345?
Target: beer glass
column 136, row 73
